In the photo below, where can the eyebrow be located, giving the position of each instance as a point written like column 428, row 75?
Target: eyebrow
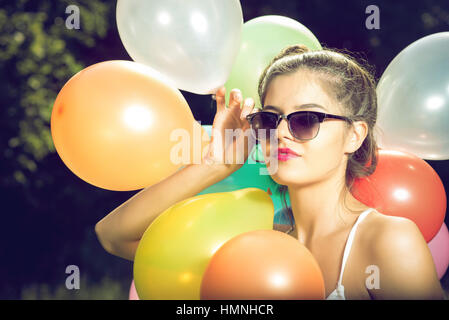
column 303, row 106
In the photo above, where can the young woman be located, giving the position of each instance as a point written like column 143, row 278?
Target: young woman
column 328, row 102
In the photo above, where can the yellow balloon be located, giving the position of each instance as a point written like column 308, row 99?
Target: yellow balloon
column 118, row 125
column 176, row 248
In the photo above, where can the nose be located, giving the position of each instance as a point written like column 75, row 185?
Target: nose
column 283, row 131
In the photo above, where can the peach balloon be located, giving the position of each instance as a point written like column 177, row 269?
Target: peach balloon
column 262, row 265
column 114, row 125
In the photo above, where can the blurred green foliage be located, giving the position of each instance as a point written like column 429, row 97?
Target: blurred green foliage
column 38, row 54
column 48, row 212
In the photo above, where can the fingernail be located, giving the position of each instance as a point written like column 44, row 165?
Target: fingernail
column 238, row 97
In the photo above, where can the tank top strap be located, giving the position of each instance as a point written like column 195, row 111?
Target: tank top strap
column 350, row 240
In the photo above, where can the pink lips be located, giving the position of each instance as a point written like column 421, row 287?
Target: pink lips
column 285, row 154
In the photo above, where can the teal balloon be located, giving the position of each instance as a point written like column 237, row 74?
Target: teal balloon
column 248, row 176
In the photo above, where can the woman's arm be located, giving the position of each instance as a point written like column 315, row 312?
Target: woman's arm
column 121, row 230
column 406, row 267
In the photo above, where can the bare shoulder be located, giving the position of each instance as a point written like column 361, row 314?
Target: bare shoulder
column 398, row 248
column 383, row 235
column 385, row 231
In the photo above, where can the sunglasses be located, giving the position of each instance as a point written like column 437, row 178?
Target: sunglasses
column 303, row 125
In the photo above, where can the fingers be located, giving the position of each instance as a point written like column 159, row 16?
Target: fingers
column 235, row 98
column 248, row 106
column 220, row 97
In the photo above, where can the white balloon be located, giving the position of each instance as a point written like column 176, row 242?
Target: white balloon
column 413, row 99
column 193, row 43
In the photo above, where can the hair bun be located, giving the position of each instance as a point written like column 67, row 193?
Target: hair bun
column 292, row 50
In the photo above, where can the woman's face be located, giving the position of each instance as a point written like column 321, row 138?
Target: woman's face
column 319, row 157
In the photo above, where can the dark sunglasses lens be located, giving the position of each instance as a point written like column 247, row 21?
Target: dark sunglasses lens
column 304, row 125
column 262, row 123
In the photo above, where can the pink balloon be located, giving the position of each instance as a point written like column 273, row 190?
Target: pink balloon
column 439, row 247
column 132, row 292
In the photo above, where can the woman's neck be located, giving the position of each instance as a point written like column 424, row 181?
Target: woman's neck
column 322, row 208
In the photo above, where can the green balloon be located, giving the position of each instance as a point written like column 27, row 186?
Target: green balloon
column 262, row 39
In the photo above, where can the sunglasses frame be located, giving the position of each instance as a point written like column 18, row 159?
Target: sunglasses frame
column 320, row 115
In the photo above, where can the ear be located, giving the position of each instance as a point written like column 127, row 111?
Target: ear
column 355, row 136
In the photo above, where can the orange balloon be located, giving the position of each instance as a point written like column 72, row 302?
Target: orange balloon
column 112, row 123
column 262, row 265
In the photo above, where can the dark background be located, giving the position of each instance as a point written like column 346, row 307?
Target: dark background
column 47, row 213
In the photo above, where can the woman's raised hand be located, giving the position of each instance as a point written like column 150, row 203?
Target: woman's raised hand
column 231, row 139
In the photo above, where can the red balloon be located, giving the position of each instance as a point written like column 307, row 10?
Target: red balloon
column 404, row 185
column 262, row 265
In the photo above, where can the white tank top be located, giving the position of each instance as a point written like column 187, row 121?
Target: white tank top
column 339, row 292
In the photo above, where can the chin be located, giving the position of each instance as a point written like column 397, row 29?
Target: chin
column 286, row 177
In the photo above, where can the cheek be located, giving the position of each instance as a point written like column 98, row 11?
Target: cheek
column 326, row 150
column 321, row 155
column 322, row 161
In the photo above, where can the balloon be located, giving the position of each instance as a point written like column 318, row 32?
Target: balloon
column 193, row 43
column 262, row 39
column 262, row 265
column 439, row 247
column 404, row 185
column 132, row 292
column 175, row 249
column 112, row 124
column 250, row 175
column 413, row 99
